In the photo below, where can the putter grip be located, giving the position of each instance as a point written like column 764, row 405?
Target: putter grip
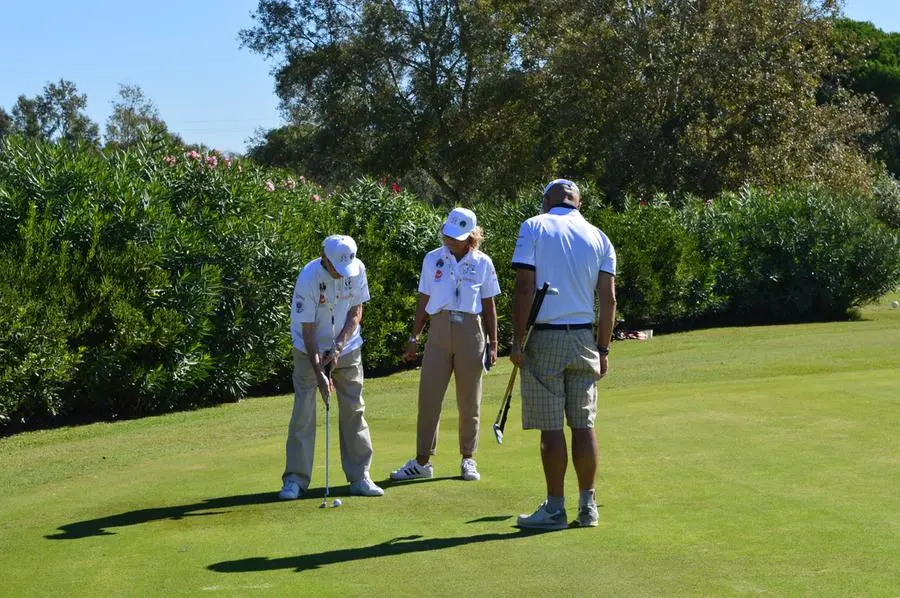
column 327, row 369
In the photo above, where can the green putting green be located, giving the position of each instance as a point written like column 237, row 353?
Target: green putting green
column 735, row 461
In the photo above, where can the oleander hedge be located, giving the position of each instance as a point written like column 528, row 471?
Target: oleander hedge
column 149, row 280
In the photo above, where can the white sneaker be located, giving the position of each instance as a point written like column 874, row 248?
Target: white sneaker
column 543, row 519
column 413, row 471
column 290, row 491
column 365, row 487
column 469, row 470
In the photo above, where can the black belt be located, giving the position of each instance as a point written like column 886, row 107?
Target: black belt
column 563, row 326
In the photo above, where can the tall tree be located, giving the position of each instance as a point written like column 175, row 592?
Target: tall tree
column 133, row 114
column 58, row 113
column 6, row 123
column 26, row 116
column 387, row 86
column 638, row 95
column 65, row 119
column 661, row 95
column 872, row 57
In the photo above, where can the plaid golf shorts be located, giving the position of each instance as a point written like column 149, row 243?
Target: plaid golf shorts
column 559, row 378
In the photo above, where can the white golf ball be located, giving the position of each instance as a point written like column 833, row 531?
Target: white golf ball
column 895, row 304
column 337, row 502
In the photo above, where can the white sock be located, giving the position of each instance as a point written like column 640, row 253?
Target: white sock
column 586, row 497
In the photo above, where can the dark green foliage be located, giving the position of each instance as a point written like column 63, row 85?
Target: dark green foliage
column 134, row 285
column 872, row 60
column 670, row 96
column 393, row 231
column 135, row 282
column 886, row 202
column 797, row 255
column 663, row 280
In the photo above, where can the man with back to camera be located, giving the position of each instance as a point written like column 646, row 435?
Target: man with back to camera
column 563, row 359
column 325, row 315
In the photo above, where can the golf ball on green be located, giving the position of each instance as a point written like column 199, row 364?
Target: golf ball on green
column 337, row 502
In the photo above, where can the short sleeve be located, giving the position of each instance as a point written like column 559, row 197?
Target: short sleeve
column 362, row 287
column 304, row 302
column 523, row 255
column 608, row 263
column 424, row 281
column 490, row 286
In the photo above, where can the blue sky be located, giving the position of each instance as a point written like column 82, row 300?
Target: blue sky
column 184, row 54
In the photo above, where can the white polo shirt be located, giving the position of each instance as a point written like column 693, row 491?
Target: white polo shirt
column 569, row 252
column 318, row 296
column 457, row 286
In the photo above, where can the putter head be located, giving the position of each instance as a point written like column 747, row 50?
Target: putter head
column 324, row 504
column 553, row 291
column 498, row 433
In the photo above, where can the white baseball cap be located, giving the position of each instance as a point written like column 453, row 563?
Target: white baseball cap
column 460, row 224
column 341, row 252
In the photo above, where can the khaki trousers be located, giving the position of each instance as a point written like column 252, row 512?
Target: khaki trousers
column 353, row 431
column 452, row 348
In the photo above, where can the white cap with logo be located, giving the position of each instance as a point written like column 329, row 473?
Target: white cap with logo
column 341, row 252
column 460, row 224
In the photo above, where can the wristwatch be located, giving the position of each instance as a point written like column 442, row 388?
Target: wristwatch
column 603, row 351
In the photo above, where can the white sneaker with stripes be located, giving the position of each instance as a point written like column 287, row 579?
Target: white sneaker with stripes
column 413, row 471
column 468, row 470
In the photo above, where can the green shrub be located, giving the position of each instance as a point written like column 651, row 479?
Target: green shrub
column 393, row 232
column 164, row 280
column 886, row 202
column 797, row 255
column 663, row 281
column 147, row 280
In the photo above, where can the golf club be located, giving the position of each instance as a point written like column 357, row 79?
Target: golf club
column 327, row 427
column 536, row 302
column 327, row 369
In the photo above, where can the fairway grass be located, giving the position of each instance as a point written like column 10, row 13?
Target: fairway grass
column 734, row 462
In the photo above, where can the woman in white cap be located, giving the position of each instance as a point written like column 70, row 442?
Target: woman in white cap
column 456, row 292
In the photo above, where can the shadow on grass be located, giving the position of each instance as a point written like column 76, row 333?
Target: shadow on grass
column 393, row 547
column 492, row 519
column 212, row 506
column 389, row 483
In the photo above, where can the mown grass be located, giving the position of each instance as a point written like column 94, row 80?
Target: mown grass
column 735, row 461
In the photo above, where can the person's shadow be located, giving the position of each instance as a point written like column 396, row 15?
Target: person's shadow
column 392, row 547
column 211, row 506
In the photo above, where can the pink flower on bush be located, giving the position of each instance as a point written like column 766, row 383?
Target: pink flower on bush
column 170, row 160
column 290, row 183
column 227, row 161
column 302, row 179
column 709, row 203
column 395, row 187
column 192, row 155
column 316, row 198
column 270, row 186
column 211, row 161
